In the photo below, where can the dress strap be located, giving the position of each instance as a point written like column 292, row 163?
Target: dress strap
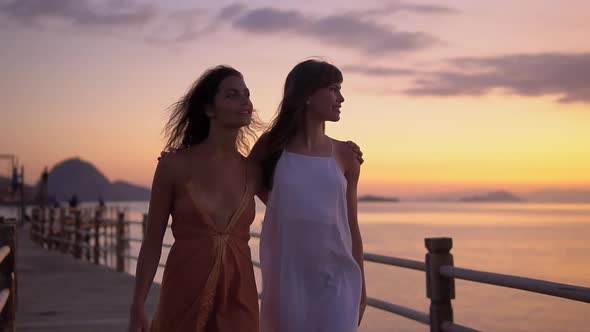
column 331, row 147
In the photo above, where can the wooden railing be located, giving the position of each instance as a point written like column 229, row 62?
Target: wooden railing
column 83, row 233
column 88, row 237
column 7, row 274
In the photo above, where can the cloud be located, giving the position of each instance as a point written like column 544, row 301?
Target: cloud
column 395, row 7
column 85, row 13
column 342, row 30
column 146, row 21
column 231, row 11
column 546, row 74
column 353, row 31
column 378, row 71
column 181, row 26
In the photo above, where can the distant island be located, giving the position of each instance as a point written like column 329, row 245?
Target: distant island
column 81, row 178
column 494, row 196
column 371, row 198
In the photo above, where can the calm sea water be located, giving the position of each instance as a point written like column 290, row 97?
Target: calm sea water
column 544, row 241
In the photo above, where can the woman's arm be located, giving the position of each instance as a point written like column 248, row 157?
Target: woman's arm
column 161, row 201
column 352, row 174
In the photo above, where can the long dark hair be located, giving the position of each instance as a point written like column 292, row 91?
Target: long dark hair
column 302, row 81
column 189, row 124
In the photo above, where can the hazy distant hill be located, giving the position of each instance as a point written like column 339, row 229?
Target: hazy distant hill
column 539, row 196
column 124, row 191
column 452, row 196
column 495, row 196
column 75, row 176
column 559, row 196
column 371, row 198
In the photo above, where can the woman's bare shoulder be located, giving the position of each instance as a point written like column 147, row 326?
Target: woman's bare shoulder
column 178, row 164
column 346, row 156
column 342, row 149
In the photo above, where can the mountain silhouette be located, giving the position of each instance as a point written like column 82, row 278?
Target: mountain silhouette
column 81, row 178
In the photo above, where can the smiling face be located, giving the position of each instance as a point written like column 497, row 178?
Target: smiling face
column 324, row 104
column 231, row 107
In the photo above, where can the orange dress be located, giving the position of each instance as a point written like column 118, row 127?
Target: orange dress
column 209, row 283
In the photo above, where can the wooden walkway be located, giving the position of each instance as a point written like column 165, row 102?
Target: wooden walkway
column 59, row 293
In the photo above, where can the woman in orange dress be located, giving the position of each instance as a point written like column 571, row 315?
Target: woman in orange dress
column 208, row 282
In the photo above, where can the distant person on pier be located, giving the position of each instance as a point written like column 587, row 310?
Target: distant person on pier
column 73, row 201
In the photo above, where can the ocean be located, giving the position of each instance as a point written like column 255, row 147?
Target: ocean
column 543, row 241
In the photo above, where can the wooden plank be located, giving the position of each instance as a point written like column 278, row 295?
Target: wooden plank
column 8, row 234
column 4, row 294
column 60, row 293
column 4, row 251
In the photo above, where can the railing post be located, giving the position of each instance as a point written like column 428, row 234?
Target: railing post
column 97, row 219
column 50, row 241
column 77, row 235
column 109, row 238
column 34, row 223
column 439, row 289
column 86, row 240
column 144, row 225
column 42, row 219
column 62, row 230
column 107, row 244
column 120, row 242
column 8, row 275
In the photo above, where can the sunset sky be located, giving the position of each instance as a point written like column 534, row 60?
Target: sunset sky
column 440, row 95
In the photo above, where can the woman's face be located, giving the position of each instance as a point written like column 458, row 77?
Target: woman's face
column 231, row 107
column 325, row 103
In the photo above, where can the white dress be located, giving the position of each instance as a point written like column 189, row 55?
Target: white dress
column 311, row 282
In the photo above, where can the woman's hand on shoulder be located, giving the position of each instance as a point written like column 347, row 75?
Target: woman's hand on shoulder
column 171, row 151
column 357, row 151
column 348, row 160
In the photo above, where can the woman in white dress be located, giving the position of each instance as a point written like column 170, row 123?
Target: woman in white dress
column 311, row 249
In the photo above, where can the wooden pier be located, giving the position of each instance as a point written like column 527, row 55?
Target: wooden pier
column 61, row 293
